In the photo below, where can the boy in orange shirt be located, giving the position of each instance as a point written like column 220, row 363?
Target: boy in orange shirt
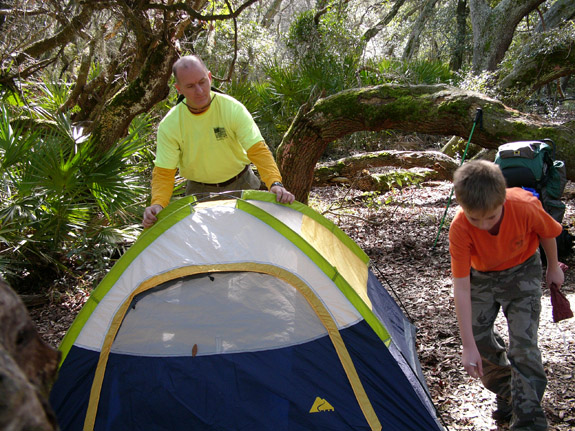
column 494, row 245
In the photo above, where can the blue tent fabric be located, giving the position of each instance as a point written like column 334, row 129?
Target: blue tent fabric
column 387, row 310
column 399, row 407
column 248, row 390
column 198, row 330
column 71, row 391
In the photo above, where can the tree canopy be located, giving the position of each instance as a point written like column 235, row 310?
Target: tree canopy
column 84, row 84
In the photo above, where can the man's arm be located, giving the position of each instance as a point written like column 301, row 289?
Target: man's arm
column 471, row 358
column 554, row 273
column 162, row 189
column 261, row 156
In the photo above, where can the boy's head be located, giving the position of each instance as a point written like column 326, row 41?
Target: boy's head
column 479, row 188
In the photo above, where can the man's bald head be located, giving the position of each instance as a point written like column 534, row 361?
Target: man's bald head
column 188, row 62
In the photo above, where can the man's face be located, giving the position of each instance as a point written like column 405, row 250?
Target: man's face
column 484, row 220
column 194, row 83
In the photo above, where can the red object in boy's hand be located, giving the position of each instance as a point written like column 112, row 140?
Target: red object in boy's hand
column 559, row 304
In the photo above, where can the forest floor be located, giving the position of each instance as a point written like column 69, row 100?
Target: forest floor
column 398, row 231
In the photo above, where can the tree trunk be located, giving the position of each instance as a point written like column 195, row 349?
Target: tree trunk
column 412, row 45
column 493, row 29
column 27, row 369
column 271, row 13
column 62, row 37
column 541, row 68
column 430, row 109
column 460, row 36
column 537, row 66
column 560, row 12
column 149, row 88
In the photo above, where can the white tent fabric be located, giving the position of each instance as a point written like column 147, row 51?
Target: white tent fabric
column 216, row 235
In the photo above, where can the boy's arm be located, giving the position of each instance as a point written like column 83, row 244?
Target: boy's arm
column 471, row 358
column 554, row 272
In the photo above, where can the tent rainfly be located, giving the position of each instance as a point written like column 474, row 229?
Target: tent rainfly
column 241, row 314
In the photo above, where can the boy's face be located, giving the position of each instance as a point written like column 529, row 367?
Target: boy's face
column 484, row 220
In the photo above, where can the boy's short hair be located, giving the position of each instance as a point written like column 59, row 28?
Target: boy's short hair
column 479, row 186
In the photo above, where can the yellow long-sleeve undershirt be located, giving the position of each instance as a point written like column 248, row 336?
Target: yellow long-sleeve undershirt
column 259, row 154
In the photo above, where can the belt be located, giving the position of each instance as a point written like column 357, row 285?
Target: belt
column 228, row 182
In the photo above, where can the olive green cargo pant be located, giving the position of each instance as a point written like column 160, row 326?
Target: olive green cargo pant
column 516, row 375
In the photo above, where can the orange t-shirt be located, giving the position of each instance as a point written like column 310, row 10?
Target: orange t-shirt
column 524, row 222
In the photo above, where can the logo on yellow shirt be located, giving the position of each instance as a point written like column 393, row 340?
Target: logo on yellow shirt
column 220, row 133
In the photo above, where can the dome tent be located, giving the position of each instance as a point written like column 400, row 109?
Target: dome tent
column 241, row 314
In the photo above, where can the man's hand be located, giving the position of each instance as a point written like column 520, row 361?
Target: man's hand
column 282, row 195
column 150, row 214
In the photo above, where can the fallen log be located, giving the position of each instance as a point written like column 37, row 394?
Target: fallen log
column 435, row 166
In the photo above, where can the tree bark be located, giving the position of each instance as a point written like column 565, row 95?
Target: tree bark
column 559, row 12
column 541, row 68
column 539, row 64
column 271, row 13
column 149, row 88
column 373, row 31
column 349, row 168
column 460, row 36
column 62, row 37
column 493, row 29
column 430, row 109
column 412, row 45
column 27, row 369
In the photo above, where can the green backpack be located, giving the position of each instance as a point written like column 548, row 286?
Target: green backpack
column 532, row 164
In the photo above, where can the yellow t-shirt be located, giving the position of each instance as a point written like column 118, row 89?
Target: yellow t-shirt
column 209, row 147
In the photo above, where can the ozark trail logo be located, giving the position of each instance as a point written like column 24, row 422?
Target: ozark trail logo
column 220, row 133
column 321, row 405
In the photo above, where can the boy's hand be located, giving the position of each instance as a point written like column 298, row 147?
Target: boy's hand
column 470, row 357
column 554, row 275
column 472, row 362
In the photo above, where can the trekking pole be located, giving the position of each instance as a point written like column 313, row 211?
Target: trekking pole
column 478, row 119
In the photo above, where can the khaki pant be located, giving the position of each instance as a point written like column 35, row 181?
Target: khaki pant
column 247, row 181
column 515, row 374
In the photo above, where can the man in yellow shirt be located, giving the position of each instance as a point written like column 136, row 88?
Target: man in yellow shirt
column 212, row 139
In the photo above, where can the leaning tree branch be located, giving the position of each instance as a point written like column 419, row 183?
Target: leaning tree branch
column 65, row 35
column 429, row 109
column 542, row 67
column 25, row 12
column 183, row 7
column 18, row 75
